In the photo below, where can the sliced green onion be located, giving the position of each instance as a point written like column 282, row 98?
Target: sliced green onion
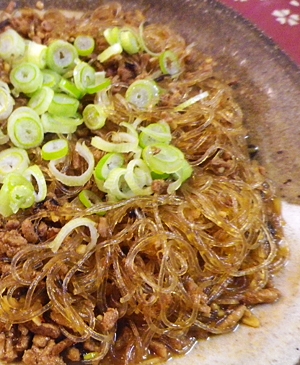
column 107, row 163
column 69, row 227
column 143, row 44
column 3, row 137
column 41, row 100
column 13, row 160
column 12, row 45
column 24, row 128
column 169, row 63
column 131, row 135
column 71, row 180
column 84, row 45
column 112, row 35
column 109, row 52
column 156, row 176
column 21, row 196
column 101, row 83
column 138, row 177
column 63, row 104
column 88, row 198
column 123, row 142
column 94, row 116
column 55, row 149
column 5, row 209
column 51, row 79
column 16, row 193
column 155, row 132
column 143, row 94
column 191, row 101
column 6, row 104
column 116, row 185
column 36, row 53
column 129, row 41
column 84, row 75
column 70, row 88
column 26, row 77
column 106, row 146
column 59, row 124
column 4, row 86
column 61, row 56
column 162, row 158
column 35, row 172
column 180, row 176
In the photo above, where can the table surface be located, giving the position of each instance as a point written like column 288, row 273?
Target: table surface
column 278, row 19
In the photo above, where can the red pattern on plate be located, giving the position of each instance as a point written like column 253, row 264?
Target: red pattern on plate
column 278, row 19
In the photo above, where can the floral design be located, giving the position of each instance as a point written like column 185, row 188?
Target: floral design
column 278, row 19
column 285, row 17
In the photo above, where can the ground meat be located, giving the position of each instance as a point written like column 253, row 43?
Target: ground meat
column 45, row 329
column 10, row 7
column 7, row 351
column 109, row 319
column 29, row 232
column 12, row 224
column 73, row 354
column 11, row 242
column 24, row 339
column 159, row 349
column 42, row 355
column 61, row 346
column 5, row 268
column 59, row 319
column 126, row 72
column 91, row 345
column 230, row 321
column 262, row 296
column 14, row 342
column 40, row 341
column 103, row 227
column 159, row 186
column 42, row 230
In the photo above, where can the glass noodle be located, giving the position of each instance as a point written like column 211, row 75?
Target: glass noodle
column 167, row 269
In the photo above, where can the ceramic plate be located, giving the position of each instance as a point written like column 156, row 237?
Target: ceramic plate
column 268, row 90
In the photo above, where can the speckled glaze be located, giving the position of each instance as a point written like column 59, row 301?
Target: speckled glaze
column 267, row 86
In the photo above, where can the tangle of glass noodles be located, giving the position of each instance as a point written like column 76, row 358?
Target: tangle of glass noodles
column 177, row 267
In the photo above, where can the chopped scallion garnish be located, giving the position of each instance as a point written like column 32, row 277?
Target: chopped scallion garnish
column 63, row 104
column 94, row 116
column 61, row 56
column 41, row 100
column 36, row 53
column 13, row 160
column 25, row 128
column 12, row 45
column 107, row 163
column 71, row 180
column 143, row 94
column 109, row 52
column 84, row 45
column 169, row 63
column 36, row 173
column 191, row 101
column 162, row 158
column 55, row 149
column 6, row 104
column 129, row 41
column 26, row 77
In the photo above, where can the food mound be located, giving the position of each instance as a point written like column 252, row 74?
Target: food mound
column 134, row 221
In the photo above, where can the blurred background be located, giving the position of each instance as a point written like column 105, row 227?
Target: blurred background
column 278, row 19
